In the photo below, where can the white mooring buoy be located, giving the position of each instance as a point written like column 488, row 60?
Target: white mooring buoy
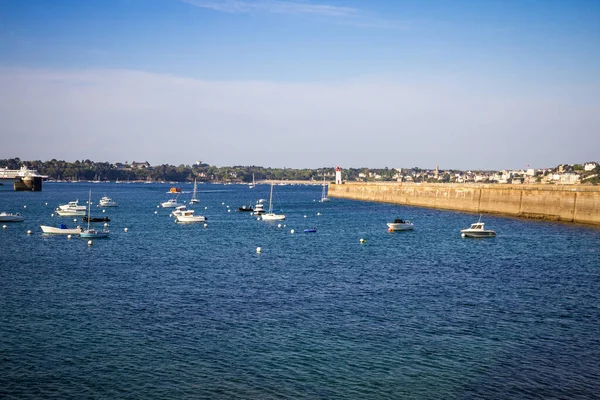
column 74, row 219
column 24, row 206
column 3, row 226
column 292, row 231
column 206, row 225
column 29, row 232
column 258, row 250
column 362, row 240
column 155, row 212
column 89, row 242
column 125, row 229
column 68, row 236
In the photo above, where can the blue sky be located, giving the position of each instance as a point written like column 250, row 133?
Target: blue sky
column 302, row 83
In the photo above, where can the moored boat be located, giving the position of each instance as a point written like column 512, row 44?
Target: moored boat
column 95, row 219
column 107, row 202
column 171, row 203
column 92, row 233
column 10, row 217
column 72, row 206
column 62, row 229
column 477, row 230
column 400, row 225
column 70, row 213
column 188, row 216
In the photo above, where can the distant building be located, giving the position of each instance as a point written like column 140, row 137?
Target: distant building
column 589, row 166
column 140, row 165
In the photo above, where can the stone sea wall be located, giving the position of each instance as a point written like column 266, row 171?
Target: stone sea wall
column 579, row 204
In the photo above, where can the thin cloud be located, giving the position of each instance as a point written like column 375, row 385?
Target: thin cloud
column 274, row 7
column 339, row 15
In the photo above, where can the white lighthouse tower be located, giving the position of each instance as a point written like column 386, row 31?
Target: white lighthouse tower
column 338, row 176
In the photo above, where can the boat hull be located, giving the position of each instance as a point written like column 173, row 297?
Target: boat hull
column 272, row 217
column 60, row 231
column 406, row 226
column 477, row 233
column 94, row 235
column 170, row 205
column 188, row 219
column 70, row 213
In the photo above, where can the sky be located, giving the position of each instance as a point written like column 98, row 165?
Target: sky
column 471, row 85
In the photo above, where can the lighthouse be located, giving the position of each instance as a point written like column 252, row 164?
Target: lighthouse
column 338, row 176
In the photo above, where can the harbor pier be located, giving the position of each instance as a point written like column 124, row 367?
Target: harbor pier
column 567, row 203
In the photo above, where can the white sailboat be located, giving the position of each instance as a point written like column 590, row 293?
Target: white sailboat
column 91, row 233
column 324, row 197
column 194, row 199
column 253, row 185
column 271, row 216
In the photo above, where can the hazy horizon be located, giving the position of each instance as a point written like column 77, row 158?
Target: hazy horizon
column 302, row 84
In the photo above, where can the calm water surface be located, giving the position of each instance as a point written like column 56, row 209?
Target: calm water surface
column 175, row 311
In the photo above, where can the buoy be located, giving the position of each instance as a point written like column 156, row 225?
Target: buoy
column 170, row 215
column 305, row 216
column 206, row 225
column 228, row 210
column 46, row 203
column 3, row 226
column 89, row 242
column 318, row 213
column 206, row 208
column 29, row 232
column 24, row 206
column 155, row 212
column 125, row 230
column 106, row 224
column 103, row 210
column 462, row 235
column 223, row 203
column 258, row 218
column 52, row 215
column 157, row 206
column 362, row 240
column 390, row 230
column 279, row 225
column 227, row 205
column 68, row 236
column 74, row 219
column 292, row 231
column 258, row 249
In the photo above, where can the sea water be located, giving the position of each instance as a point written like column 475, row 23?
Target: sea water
column 169, row 311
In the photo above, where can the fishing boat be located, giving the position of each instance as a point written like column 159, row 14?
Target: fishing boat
column 194, row 199
column 10, row 217
column 107, row 202
column 91, row 233
column 271, row 216
column 400, row 225
column 188, row 216
column 62, row 229
column 477, row 230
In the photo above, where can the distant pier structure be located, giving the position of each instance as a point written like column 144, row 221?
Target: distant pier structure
column 22, row 179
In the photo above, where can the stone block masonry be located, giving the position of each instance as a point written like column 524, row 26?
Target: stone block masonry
column 567, row 203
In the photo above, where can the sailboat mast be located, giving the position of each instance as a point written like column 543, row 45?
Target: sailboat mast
column 271, row 199
column 89, row 210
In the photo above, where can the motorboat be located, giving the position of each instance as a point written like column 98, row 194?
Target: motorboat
column 10, row 217
column 92, row 233
column 310, row 230
column 246, row 208
column 107, row 202
column 171, row 203
column 70, row 213
column 477, row 230
column 62, row 229
column 179, row 210
column 72, row 206
column 188, row 216
column 400, row 225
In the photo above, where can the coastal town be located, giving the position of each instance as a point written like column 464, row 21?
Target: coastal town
column 136, row 171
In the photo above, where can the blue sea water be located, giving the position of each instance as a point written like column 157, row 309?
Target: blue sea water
column 174, row 311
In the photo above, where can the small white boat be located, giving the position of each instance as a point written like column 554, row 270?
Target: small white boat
column 400, row 225
column 92, row 233
column 477, row 230
column 172, row 203
column 259, row 208
column 70, row 213
column 72, row 206
column 324, row 197
column 10, row 217
column 188, row 216
column 271, row 216
column 62, row 229
column 107, row 202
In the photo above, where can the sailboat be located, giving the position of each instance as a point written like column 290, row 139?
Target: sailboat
column 253, row 185
column 194, row 199
column 91, row 233
column 271, row 216
column 324, row 197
